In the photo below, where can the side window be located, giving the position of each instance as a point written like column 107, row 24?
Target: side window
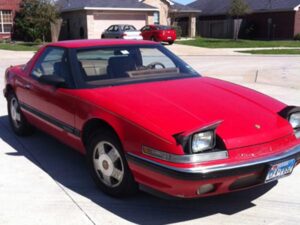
column 146, row 28
column 116, row 28
column 52, row 62
column 110, row 28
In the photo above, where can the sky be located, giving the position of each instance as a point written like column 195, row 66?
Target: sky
column 184, row 2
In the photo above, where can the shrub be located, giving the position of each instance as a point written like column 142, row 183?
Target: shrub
column 38, row 41
column 297, row 37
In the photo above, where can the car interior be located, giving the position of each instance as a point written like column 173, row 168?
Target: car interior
column 100, row 65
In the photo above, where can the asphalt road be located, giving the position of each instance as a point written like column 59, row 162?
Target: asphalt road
column 44, row 182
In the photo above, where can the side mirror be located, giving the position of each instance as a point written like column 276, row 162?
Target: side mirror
column 53, row 80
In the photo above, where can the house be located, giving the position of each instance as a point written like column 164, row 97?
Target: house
column 8, row 11
column 88, row 19
column 269, row 19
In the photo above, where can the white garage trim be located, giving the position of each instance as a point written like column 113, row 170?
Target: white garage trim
column 112, row 9
column 102, row 20
column 119, row 9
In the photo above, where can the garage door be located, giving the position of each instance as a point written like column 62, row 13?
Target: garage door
column 103, row 21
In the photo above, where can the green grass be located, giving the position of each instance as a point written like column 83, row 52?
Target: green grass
column 19, row 46
column 274, row 52
column 228, row 43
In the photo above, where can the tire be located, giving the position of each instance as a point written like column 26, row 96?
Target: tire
column 108, row 165
column 102, row 37
column 171, row 42
column 153, row 39
column 17, row 120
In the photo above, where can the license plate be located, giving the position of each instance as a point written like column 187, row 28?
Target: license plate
column 169, row 38
column 280, row 170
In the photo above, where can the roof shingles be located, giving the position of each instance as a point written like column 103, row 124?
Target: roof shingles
column 68, row 5
column 221, row 7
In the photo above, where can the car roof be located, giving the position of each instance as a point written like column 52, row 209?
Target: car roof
column 99, row 43
column 122, row 25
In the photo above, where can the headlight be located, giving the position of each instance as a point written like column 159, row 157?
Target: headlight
column 295, row 120
column 203, row 141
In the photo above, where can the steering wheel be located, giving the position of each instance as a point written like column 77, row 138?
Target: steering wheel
column 154, row 64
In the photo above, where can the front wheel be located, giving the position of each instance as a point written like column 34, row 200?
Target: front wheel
column 17, row 120
column 108, row 165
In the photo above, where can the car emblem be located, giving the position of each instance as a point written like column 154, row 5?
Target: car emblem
column 257, row 126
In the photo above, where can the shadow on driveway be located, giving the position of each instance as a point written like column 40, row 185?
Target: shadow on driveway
column 68, row 167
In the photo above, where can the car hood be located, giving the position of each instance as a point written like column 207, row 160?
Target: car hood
column 175, row 106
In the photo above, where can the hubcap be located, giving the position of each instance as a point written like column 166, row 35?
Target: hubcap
column 108, row 164
column 15, row 112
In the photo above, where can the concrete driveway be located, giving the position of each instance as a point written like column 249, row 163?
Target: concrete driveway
column 45, row 182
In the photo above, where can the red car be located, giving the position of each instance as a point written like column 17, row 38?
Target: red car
column 144, row 118
column 159, row 33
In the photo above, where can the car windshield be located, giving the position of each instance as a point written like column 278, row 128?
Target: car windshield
column 104, row 66
column 128, row 28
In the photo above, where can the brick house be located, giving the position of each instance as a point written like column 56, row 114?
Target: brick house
column 8, row 9
column 88, row 19
column 269, row 19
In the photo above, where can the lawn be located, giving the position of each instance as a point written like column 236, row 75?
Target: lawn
column 19, row 46
column 274, row 52
column 228, row 43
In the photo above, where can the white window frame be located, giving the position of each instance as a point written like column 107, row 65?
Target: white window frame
column 2, row 23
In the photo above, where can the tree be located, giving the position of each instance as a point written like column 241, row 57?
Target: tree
column 238, row 9
column 34, row 19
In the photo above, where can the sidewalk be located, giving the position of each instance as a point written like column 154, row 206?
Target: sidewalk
column 186, row 50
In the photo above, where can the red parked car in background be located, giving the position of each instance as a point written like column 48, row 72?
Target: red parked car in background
column 159, row 33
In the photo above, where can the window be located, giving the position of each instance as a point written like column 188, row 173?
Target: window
column 116, row 28
column 6, row 21
column 128, row 28
column 152, row 55
column 111, row 28
column 145, row 28
column 156, row 17
column 52, row 62
column 111, row 65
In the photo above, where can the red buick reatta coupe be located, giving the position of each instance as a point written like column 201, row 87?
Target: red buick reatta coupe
column 144, row 118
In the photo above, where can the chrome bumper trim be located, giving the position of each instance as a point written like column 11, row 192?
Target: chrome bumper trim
column 185, row 159
column 226, row 167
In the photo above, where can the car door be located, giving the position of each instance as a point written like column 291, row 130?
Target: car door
column 53, row 108
column 146, row 33
column 116, row 32
column 108, row 32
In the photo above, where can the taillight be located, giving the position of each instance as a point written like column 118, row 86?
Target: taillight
column 123, row 35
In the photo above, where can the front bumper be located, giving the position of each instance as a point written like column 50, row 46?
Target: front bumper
column 184, row 182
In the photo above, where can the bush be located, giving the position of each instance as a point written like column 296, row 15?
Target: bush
column 297, row 37
column 38, row 41
column 178, row 31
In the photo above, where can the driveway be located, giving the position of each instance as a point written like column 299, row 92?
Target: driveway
column 45, row 182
